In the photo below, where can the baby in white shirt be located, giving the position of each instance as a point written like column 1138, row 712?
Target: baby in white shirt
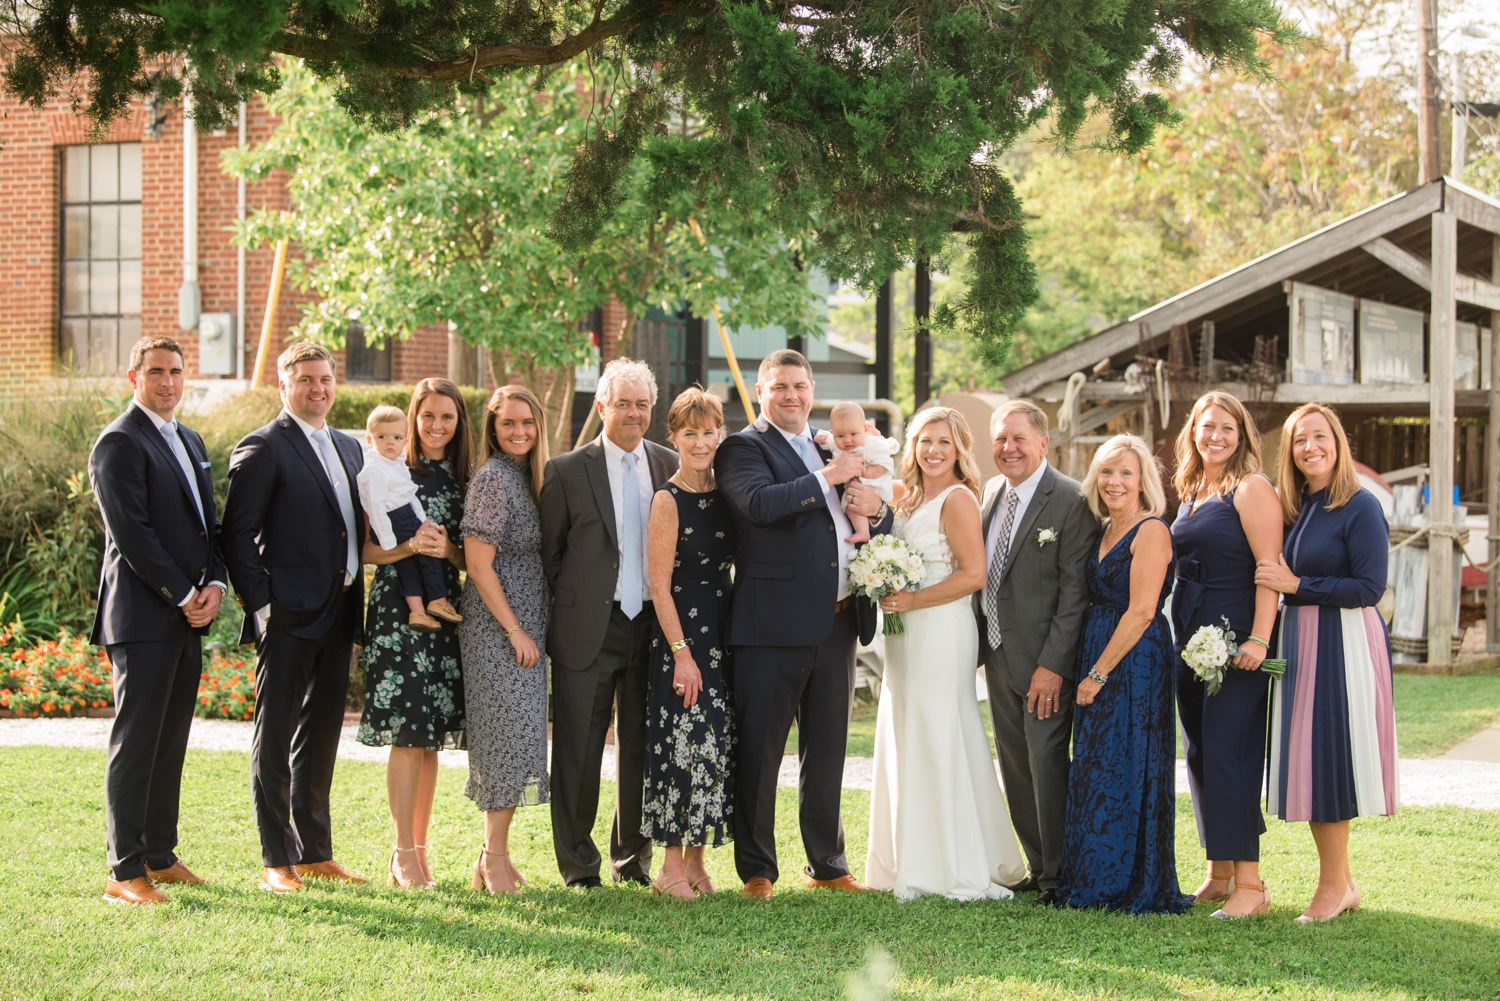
column 853, row 432
column 389, row 497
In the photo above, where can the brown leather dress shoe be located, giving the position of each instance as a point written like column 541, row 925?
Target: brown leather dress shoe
column 328, row 870
column 846, row 883
column 280, row 879
column 758, row 888
column 133, row 891
column 174, row 873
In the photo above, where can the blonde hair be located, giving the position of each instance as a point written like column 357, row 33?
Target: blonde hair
column 964, row 466
column 1290, row 482
column 847, row 408
column 383, row 414
column 1035, row 414
column 490, row 444
column 1245, row 461
column 1153, row 497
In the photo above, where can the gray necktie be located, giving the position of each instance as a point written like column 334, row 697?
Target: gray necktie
column 335, row 469
column 630, row 540
column 174, row 440
column 997, row 568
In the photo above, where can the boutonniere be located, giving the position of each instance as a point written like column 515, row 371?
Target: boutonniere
column 1045, row 536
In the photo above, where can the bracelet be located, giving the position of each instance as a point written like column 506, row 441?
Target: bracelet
column 1256, row 639
column 512, row 630
column 1096, row 677
column 679, row 645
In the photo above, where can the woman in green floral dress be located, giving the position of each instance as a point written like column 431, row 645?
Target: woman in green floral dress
column 414, row 693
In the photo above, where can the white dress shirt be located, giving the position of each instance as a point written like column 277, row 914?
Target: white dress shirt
column 385, row 485
column 842, row 528
column 161, row 426
column 1025, row 491
column 614, row 462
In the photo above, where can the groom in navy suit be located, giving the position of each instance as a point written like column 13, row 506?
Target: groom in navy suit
column 792, row 622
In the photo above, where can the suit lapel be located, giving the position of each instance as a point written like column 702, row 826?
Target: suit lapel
column 987, row 516
column 1030, row 515
column 304, row 449
column 659, row 462
column 780, row 445
column 596, row 463
column 192, row 442
column 154, row 437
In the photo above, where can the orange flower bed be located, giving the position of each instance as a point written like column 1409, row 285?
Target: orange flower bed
column 61, row 677
column 227, row 689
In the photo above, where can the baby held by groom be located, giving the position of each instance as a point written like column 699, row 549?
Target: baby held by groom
column 389, row 497
column 851, row 431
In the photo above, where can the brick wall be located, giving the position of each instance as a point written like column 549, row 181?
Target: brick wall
column 30, row 217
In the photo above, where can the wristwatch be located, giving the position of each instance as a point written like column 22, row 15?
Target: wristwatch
column 1096, row 677
column 885, row 509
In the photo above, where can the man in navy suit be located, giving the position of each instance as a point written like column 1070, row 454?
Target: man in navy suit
column 792, row 622
column 159, row 589
column 292, row 528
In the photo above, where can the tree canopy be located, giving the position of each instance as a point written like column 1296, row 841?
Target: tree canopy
column 448, row 223
column 880, row 125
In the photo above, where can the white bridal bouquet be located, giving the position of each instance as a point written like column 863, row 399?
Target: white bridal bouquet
column 883, row 566
column 1209, row 651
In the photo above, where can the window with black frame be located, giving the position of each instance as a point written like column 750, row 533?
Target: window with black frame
column 363, row 363
column 100, row 287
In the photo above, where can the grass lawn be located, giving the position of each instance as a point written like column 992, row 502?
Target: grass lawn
column 1430, row 927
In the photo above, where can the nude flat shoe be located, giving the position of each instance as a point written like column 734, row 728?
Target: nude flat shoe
column 1349, row 903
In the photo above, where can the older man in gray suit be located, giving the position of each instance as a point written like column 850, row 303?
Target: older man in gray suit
column 1037, row 533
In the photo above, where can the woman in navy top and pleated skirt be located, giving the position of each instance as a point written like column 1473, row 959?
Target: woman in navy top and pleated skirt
column 1229, row 518
column 1333, row 724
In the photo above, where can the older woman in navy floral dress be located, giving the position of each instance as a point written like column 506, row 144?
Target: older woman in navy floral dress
column 689, row 791
column 414, row 699
column 1119, row 845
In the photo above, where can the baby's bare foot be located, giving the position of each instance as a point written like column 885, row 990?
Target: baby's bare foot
column 858, row 537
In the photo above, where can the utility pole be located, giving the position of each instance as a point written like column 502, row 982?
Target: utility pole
column 1458, row 149
column 1427, row 101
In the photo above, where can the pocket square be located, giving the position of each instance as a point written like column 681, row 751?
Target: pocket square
column 205, row 464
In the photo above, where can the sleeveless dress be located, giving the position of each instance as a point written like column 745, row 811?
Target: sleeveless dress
column 1224, row 735
column 689, row 785
column 1119, row 843
column 1333, row 723
column 938, row 821
column 414, row 688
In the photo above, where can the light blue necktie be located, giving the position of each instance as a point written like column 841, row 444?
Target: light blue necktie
column 335, row 469
column 630, row 540
column 169, row 431
column 814, row 463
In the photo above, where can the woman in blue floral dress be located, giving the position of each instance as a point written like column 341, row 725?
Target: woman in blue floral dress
column 414, row 697
column 1119, row 842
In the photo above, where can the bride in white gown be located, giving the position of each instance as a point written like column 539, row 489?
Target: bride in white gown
column 938, row 821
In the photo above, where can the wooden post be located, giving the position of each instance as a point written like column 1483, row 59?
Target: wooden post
column 1429, row 156
column 273, row 298
column 1440, row 610
column 884, row 322
column 922, row 345
column 463, row 361
column 1492, row 468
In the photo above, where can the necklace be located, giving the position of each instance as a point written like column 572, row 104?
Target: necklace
column 1109, row 543
column 677, row 479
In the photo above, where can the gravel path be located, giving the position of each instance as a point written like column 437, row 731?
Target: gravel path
column 1424, row 782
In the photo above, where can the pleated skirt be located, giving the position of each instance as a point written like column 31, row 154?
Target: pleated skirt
column 1333, row 722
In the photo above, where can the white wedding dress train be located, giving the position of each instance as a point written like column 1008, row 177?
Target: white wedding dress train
column 938, row 820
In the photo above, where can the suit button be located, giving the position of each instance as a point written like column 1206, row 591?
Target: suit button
column 203, row 569
column 834, row 565
column 615, row 565
column 200, row 533
column 830, row 528
column 343, row 535
column 607, row 601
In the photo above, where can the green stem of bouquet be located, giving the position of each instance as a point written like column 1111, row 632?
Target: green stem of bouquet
column 893, row 626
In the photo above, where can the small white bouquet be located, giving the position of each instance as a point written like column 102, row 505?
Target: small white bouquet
column 1209, row 651
column 883, row 566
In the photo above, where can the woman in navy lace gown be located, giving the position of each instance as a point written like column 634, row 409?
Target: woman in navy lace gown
column 1118, row 845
